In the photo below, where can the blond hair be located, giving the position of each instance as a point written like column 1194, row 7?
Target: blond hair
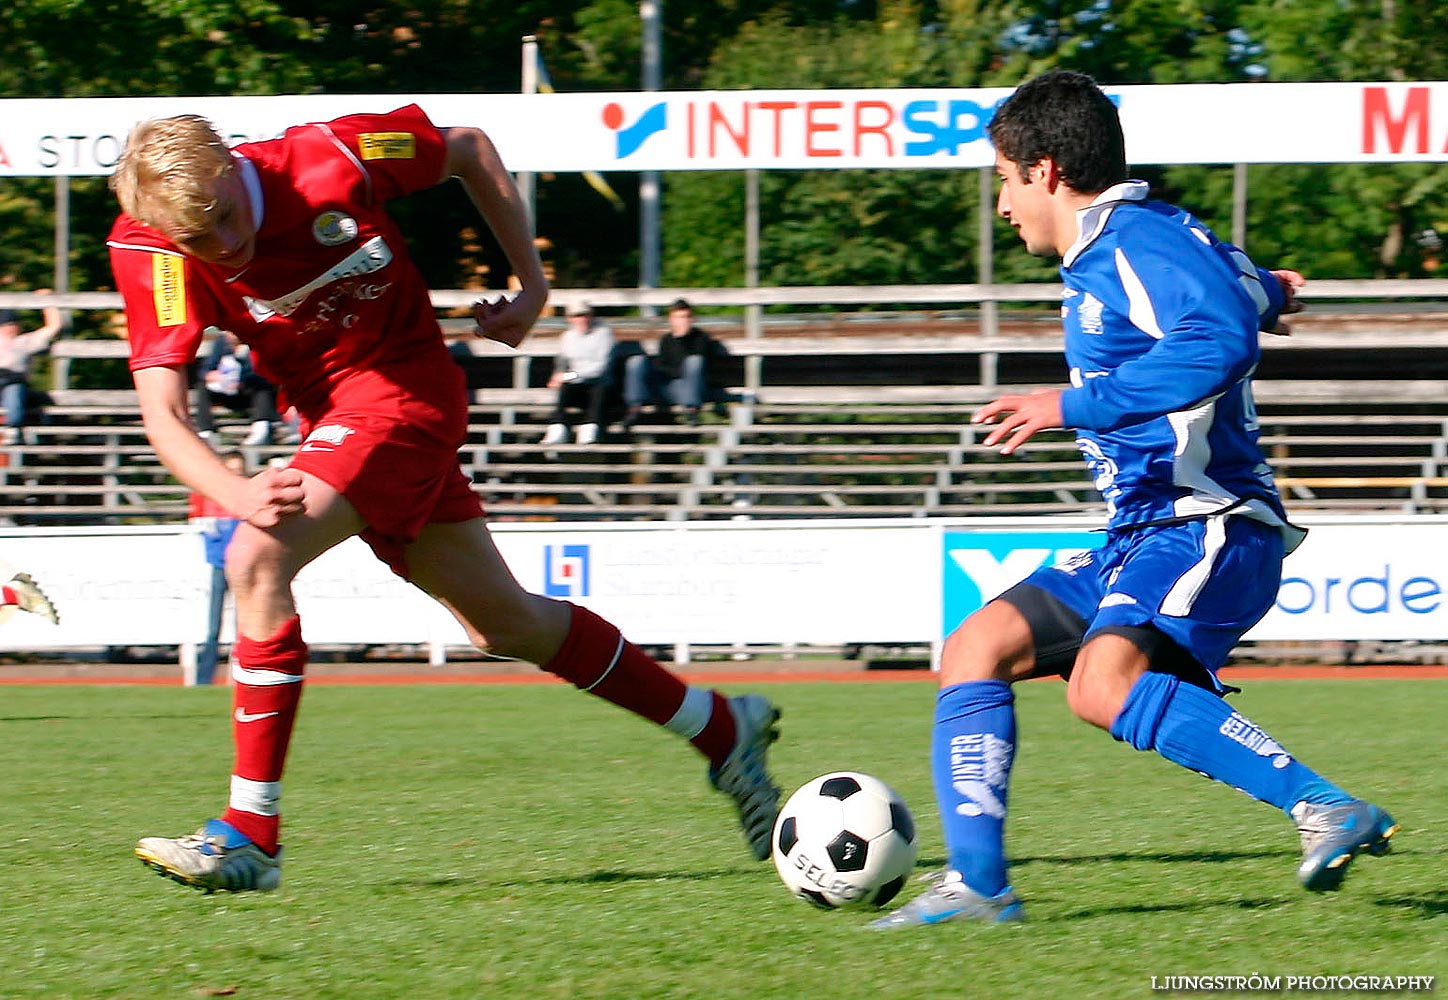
column 166, row 176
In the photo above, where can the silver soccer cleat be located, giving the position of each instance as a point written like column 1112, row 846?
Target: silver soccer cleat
column 948, row 899
column 1333, row 835
column 215, row 857
column 31, row 598
column 744, row 775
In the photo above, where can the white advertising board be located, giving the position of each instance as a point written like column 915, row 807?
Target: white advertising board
column 824, row 582
column 1364, row 581
column 112, row 586
column 661, row 583
column 724, row 583
column 786, row 129
column 1360, row 577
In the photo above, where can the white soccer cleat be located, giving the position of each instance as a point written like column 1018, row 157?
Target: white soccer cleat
column 744, row 775
column 216, row 856
column 950, row 899
column 555, row 434
column 29, row 597
column 587, row 433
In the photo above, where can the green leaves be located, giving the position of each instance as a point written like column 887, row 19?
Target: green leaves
column 836, row 226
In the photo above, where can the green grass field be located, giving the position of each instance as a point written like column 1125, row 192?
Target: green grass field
column 531, row 842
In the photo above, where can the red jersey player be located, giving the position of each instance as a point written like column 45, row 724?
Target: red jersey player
column 288, row 243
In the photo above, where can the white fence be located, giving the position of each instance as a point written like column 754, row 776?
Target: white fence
column 683, row 584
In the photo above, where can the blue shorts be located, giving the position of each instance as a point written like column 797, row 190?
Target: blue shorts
column 1202, row 584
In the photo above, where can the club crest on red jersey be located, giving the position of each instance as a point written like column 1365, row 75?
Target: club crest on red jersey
column 334, row 228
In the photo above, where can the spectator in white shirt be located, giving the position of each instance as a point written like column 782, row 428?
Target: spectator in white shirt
column 580, row 374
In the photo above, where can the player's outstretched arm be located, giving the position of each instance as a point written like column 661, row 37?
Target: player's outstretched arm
column 472, row 158
column 53, row 323
column 263, row 500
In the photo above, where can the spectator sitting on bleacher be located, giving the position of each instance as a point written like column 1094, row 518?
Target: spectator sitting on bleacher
column 16, row 350
column 228, row 379
column 580, row 374
column 683, row 372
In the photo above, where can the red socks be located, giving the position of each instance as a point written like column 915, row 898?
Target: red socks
column 595, row 658
column 268, row 687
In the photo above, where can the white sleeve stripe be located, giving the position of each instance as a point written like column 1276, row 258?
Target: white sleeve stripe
column 262, row 678
column 1140, row 311
column 144, row 249
column 366, row 177
column 617, row 653
column 1253, row 287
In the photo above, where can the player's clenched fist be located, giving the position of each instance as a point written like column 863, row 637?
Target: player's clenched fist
column 508, row 320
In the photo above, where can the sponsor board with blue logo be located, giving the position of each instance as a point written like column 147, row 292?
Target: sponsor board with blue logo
column 629, row 136
column 979, row 565
column 566, row 571
column 1347, row 581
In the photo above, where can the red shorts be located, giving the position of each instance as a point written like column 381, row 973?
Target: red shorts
column 398, row 476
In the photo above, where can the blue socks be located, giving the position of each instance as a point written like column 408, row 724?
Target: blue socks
column 972, row 746
column 1198, row 730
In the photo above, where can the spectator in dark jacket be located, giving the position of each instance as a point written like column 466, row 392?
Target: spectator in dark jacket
column 684, row 371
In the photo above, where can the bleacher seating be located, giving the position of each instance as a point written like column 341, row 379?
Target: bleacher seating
column 842, row 423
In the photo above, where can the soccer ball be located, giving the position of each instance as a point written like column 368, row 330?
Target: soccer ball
column 844, row 839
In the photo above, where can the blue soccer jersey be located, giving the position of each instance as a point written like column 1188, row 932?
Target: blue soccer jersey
column 1161, row 321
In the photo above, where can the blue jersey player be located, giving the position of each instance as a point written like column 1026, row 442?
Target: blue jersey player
column 1161, row 322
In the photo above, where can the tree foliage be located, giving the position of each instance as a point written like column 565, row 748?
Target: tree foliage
column 844, row 226
column 1356, row 220
column 818, row 227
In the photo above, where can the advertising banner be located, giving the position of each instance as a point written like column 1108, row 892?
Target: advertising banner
column 785, row 129
column 661, row 583
column 1364, row 581
column 827, row 582
column 112, row 587
column 979, row 564
column 1365, row 578
column 724, row 584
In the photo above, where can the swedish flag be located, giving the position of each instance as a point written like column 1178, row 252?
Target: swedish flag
column 595, row 180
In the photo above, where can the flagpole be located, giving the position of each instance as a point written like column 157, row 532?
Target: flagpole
column 525, row 179
column 650, row 11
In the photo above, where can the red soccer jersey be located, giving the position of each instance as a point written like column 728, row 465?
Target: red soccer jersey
column 336, row 312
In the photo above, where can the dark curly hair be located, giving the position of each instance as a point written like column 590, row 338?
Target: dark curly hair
column 1064, row 116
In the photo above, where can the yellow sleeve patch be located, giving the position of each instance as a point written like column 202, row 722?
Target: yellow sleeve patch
column 387, row 145
column 168, row 284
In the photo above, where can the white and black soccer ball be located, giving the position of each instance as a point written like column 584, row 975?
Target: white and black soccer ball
column 844, row 839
